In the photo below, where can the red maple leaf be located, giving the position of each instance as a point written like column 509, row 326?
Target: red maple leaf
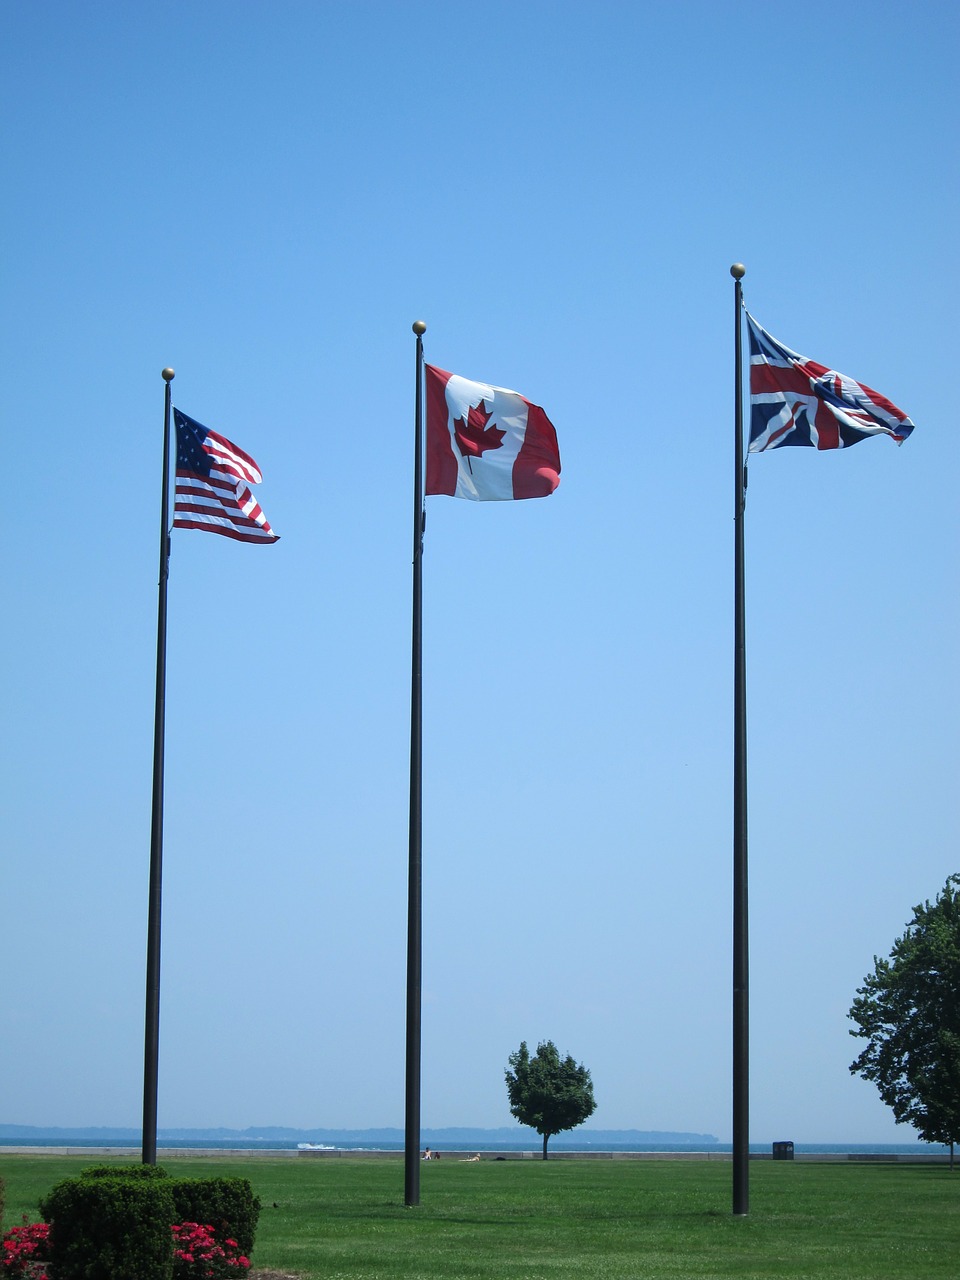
column 474, row 436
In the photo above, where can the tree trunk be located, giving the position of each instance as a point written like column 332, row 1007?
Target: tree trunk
column 546, row 1138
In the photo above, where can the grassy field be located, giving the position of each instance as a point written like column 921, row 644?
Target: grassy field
column 343, row 1219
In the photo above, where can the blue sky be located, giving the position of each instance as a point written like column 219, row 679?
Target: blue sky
column 265, row 197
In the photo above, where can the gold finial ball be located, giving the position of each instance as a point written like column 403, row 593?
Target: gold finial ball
column 419, row 328
column 167, row 374
column 738, row 271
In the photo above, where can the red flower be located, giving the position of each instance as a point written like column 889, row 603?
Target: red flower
column 26, row 1250
column 198, row 1255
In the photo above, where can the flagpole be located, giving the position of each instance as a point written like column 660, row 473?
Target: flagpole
column 414, row 891
column 741, row 1020
column 151, row 1048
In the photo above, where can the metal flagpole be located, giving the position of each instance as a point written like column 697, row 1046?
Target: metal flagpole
column 414, row 892
column 151, row 1049
column 741, row 1016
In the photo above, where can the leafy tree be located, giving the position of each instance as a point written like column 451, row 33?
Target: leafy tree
column 548, row 1093
column 908, row 1011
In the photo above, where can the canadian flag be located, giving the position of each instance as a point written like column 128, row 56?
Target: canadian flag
column 486, row 443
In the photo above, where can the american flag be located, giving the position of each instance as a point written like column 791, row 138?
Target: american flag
column 795, row 401
column 212, row 491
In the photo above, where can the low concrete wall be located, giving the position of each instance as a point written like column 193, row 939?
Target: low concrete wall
column 283, row 1153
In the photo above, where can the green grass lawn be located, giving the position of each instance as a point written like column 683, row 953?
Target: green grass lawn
column 343, row 1219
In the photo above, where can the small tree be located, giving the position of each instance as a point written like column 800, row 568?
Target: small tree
column 548, row 1093
column 908, row 1011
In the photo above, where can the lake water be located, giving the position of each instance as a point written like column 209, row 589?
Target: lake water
column 240, row 1143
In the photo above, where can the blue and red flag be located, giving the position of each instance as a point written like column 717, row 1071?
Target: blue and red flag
column 795, row 401
column 212, row 489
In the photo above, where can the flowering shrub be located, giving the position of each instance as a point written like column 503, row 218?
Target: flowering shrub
column 198, row 1255
column 26, row 1251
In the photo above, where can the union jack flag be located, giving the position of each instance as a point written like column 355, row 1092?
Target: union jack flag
column 212, row 490
column 795, row 401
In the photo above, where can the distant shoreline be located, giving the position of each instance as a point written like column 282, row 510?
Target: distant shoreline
column 465, row 1135
column 516, row 1142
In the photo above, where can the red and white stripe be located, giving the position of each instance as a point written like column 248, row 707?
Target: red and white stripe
column 222, row 501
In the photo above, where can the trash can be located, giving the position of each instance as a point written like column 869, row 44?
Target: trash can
column 783, row 1151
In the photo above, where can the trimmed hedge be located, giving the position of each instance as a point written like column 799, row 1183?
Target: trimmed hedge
column 114, row 1220
column 226, row 1204
column 123, row 1171
column 104, row 1227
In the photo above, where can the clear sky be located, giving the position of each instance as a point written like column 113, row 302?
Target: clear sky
column 266, row 196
